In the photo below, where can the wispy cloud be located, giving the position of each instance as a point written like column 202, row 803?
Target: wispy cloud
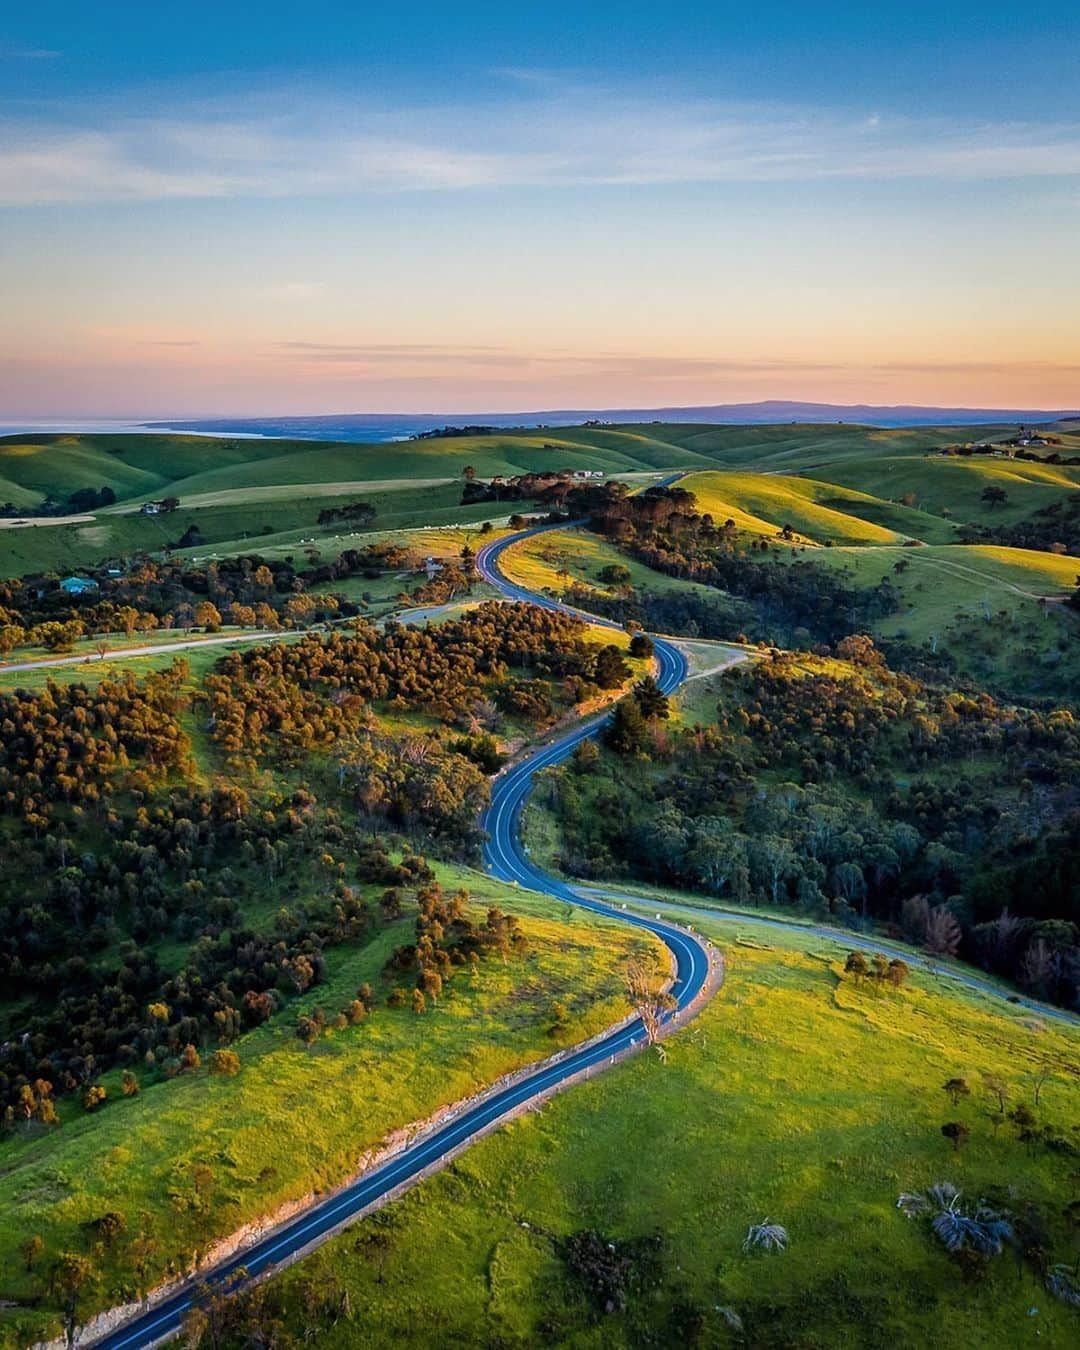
column 541, row 133
column 9, row 53
column 357, row 359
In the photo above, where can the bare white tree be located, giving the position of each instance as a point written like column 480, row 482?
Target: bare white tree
column 649, row 1000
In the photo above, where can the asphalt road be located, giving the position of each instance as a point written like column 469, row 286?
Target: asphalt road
column 152, row 649
column 505, row 858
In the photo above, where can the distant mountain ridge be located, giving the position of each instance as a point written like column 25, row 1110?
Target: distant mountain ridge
column 395, row 426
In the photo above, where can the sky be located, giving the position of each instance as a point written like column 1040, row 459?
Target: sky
column 209, row 209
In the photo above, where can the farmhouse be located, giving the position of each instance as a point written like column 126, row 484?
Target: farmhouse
column 78, row 585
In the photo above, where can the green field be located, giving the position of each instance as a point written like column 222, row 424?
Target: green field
column 794, row 1097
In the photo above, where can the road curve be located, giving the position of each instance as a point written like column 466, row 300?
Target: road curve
column 506, row 859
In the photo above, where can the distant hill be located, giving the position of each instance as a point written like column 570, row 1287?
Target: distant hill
column 397, row 426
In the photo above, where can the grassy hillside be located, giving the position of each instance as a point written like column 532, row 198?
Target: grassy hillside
column 273, row 525
column 237, row 490
column 956, row 485
column 552, row 563
column 818, row 511
column 795, row 1097
column 800, row 447
column 994, row 612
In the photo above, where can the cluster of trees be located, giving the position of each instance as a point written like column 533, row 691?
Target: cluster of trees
column 855, row 793
column 112, row 857
column 65, row 745
column 315, row 693
column 80, row 949
column 794, row 604
column 448, row 938
column 82, row 499
column 549, row 486
column 359, row 514
column 686, row 612
column 248, row 591
column 420, row 787
column 450, row 432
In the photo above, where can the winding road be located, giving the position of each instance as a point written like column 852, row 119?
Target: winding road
column 506, row 859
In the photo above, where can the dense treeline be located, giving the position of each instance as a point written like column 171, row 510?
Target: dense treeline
column 314, row 693
column 850, row 791
column 82, row 499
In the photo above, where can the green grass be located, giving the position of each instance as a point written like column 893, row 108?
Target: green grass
column 299, row 1118
column 956, row 485
column 822, row 512
column 201, row 659
column 794, row 1096
column 274, row 527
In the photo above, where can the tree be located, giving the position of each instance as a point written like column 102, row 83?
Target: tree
column 70, row 1274
column 610, row 669
column 943, row 933
column 652, row 701
column 626, row 731
column 857, row 966
column 956, row 1133
column 998, row 1089
column 419, row 1002
column 641, row 646
column 56, row 637
column 994, row 496
column 129, row 1084
column 226, row 1063
column 11, row 635
column 109, row 1227
column 94, row 1095
column 207, row 616
column 648, row 999
column 956, row 1088
column 431, row 982
column 468, row 473
column 898, row 972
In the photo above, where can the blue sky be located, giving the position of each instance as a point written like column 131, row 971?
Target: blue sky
column 327, row 207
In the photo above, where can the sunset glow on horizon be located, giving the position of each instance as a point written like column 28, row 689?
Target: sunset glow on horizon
column 483, row 217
